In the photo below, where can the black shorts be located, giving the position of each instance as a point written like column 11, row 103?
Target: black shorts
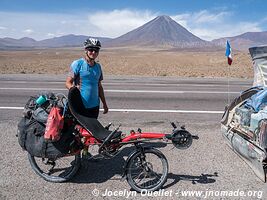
column 91, row 112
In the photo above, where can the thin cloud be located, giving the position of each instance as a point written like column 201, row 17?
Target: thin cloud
column 50, row 34
column 42, row 24
column 225, row 30
column 205, row 16
column 182, row 19
column 209, row 25
column 118, row 22
column 28, row 31
column 202, row 17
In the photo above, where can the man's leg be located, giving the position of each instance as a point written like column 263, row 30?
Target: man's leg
column 92, row 112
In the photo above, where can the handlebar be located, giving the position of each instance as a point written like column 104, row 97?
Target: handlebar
column 173, row 125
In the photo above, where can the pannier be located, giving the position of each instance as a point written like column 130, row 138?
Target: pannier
column 32, row 125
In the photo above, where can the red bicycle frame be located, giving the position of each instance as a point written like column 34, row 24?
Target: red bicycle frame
column 89, row 139
column 135, row 136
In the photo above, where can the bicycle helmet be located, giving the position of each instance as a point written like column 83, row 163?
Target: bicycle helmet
column 92, row 43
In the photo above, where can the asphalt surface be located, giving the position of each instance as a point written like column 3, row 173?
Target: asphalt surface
column 208, row 166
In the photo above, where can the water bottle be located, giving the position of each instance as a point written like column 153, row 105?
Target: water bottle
column 41, row 99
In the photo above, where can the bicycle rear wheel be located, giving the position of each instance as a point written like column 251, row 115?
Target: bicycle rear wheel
column 56, row 170
column 147, row 171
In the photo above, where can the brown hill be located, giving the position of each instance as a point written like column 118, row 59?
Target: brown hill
column 244, row 41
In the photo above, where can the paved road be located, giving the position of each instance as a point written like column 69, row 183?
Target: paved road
column 209, row 166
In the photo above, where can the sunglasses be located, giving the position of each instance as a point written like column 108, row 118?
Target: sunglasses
column 93, row 49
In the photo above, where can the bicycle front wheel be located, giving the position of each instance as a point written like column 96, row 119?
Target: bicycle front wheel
column 147, row 170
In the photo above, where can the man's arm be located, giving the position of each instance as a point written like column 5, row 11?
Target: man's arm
column 102, row 97
column 69, row 82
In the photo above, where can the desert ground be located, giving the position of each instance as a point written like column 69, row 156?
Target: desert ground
column 126, row 61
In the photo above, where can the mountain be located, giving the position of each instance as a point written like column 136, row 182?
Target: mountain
column 67, row 41
column 63, row 41
column 26, row 42
column 161, row 31
column 244, row 41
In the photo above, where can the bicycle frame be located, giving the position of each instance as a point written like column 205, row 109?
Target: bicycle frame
column 89, row 139
column 137, row 136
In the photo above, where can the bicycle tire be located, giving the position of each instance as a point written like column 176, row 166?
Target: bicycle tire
column 163, row 176
column 72, row 170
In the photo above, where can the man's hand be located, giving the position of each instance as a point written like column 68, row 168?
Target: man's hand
column 105, row 107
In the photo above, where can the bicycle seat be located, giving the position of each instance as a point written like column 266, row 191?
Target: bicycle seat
column 90, row 124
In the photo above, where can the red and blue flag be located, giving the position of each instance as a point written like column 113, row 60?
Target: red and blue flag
column 228, row 53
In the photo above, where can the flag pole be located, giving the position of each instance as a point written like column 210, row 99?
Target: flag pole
column 228, row 98
column 228, row 54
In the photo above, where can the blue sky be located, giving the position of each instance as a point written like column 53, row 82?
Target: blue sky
column 208, row 19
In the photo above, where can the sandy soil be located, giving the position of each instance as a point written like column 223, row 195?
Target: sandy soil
column 131, row 62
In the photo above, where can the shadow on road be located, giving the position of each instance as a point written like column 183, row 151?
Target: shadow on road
column 202, row 179
column 102, row 170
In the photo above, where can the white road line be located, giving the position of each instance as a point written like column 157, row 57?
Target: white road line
column 167, row 111
column 170, row 92
column 11, row 108
column 141, row 110
column 39, row 89
column 131, row 83
column 34, row 82
column 176, row 85
column 130, row 91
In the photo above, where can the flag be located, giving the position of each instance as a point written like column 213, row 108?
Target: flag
column 228, row 52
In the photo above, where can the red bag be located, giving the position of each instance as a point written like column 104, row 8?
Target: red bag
column 54, row 125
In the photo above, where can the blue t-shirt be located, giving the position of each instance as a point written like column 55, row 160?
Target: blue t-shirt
column 88, row 78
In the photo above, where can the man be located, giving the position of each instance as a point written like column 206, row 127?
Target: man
column 86, row 74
